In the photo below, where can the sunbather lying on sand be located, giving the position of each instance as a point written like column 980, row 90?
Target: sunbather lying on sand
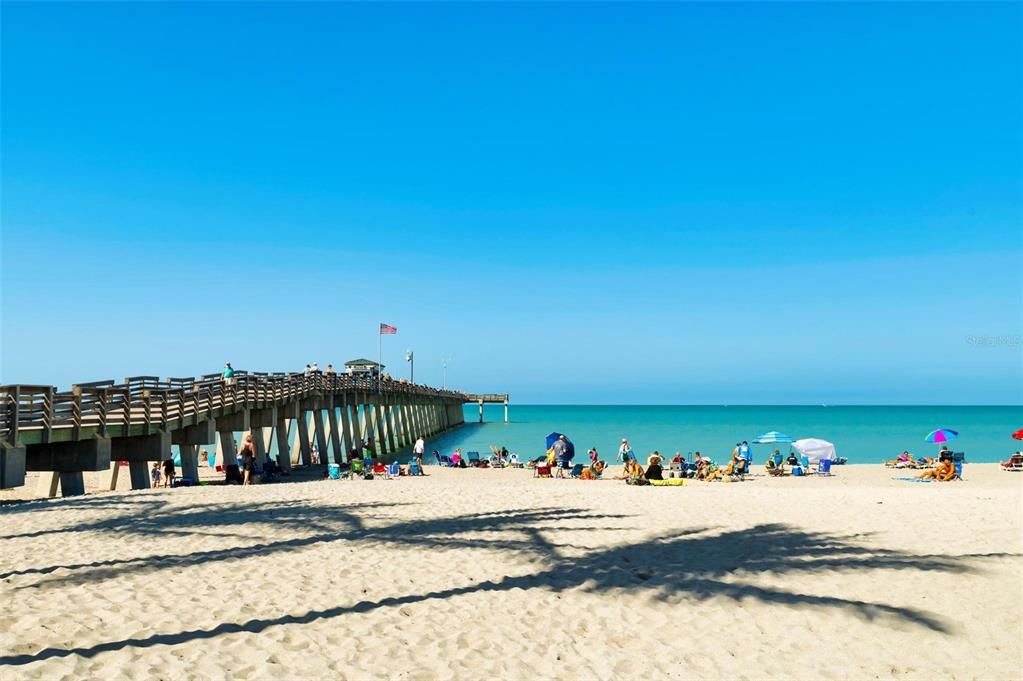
column 943, row 473
column 903, row 459
column 733, row 467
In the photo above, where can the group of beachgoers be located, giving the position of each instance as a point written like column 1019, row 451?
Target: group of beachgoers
column 941, row 468
column 700, row 468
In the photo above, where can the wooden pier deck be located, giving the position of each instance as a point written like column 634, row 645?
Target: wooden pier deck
column 137, row 421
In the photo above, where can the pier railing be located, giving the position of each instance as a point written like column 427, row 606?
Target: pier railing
column 152, row 403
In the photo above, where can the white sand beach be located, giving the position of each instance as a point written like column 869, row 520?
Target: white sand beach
column 472, row 574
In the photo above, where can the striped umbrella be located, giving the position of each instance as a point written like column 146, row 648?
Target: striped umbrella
column 772, row 438
column 941, row 435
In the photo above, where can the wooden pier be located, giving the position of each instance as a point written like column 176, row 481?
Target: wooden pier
column 489, row 398
column 94, row 424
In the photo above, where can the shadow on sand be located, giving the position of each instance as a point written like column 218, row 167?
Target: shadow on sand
column 698, row 563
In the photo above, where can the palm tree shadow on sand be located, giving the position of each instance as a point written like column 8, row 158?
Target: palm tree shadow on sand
column 695, row 563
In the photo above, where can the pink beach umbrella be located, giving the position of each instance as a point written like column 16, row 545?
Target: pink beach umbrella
column 941, row 435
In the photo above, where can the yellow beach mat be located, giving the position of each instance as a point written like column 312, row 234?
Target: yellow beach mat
column 670, row 482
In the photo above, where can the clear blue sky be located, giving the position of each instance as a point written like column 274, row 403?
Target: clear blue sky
column 614, row 203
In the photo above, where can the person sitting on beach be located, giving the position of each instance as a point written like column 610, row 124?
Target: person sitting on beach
column 944, row 472
column 903, row 459
column 793, row 460
column 155, row 474
column 456, row 458
column 633, row 471
column 1015, row 461
column 653, row 467
column 704, row 467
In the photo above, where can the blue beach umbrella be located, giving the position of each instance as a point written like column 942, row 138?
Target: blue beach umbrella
column 941, row 435
column 773, row 437
column 571, row 447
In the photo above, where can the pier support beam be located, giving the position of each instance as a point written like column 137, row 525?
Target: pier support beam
column 12, row 466
column 378, row 418
column 258, row 446
column 190, row 462
column 335, row 436
column 72, row 483
column 139, row 471
column 353, row 409
column 321, row 436
column 281, row 436
column 49, row 483
column 389, row 424
column 506, row 410
column 138, row 452
column 304, row 449
column 65, row 457
column 346, row 431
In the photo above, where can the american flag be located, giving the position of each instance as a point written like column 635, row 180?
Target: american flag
column 387, row 328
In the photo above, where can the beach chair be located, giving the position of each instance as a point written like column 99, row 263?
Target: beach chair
column 958, row 459
column 824, row 467
column 577, row 470
column 543, row 471
column 394, row 470
column 1015, row 463
column 472, row 459
column 415, row 469
column 513, row 460
column 380, row 469
column 357, row 468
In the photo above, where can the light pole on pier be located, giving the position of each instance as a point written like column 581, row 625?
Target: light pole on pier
column 444, row 363
column 410, row 357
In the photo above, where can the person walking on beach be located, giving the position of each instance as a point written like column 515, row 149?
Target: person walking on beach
column 248, row 458
column 560, row 455
column 418, row 449
column 625, row 451
column 155, row 474
column 168, row 473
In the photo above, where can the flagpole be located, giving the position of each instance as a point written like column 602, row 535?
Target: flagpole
column 380, row 359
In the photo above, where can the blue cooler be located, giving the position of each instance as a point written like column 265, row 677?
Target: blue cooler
column 797, row 470
column 334, row 471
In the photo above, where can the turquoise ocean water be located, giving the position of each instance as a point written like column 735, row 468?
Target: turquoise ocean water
column 862, row 434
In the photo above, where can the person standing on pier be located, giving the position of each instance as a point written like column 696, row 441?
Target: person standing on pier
column 228, row 374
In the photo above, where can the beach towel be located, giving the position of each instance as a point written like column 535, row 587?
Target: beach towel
column 912, row 480
column 670, row 482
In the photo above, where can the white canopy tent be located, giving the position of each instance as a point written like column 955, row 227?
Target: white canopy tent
column 815, row 450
